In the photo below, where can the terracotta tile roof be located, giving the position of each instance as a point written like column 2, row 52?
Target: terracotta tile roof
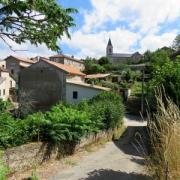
column 88, row 85
column 23, row 59
column 66, row 68
column 67, row 57
column 93, row 76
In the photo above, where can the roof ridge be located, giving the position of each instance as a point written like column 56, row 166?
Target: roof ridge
column 69, row 69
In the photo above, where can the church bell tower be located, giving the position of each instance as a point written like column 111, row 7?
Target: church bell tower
column 109, row 48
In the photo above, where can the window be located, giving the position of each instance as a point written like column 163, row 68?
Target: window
column 10, row 84
column 12, row 71
column 4, row 91
column 75, row 94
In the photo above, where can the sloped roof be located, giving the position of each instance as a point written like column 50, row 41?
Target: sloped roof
column 67, row 57
column 66, row 68
column 88, row 85
column 22, row 59
column 121, row 55
column 93, row 76
column 109, row 42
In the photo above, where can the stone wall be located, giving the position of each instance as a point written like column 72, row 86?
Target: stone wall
column 30, row 155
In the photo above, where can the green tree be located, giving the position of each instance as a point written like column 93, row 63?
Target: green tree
column 176, row 43
column 92, row 66
column 103, row 61
column 37, row 21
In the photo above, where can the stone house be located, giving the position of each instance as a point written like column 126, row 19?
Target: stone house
column 6, row 83
column 67, row 60
column 15, row 64
column 49, row 82
column 119, row 58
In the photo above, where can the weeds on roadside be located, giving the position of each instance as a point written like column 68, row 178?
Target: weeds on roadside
column 3, row 169
column 164, row 134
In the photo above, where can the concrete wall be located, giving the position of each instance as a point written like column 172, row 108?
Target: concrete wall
column 33, row 154
column 83, row 92
column 75, row 78
column 12, row 64
column 44, row 83
column 75, row 64
column 69, row 62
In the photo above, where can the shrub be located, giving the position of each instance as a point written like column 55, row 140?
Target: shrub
column 3, row 169
column 110, row 108
column 64, row 122
column 168, row 76
column 4, row 105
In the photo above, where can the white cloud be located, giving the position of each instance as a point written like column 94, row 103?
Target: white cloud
column 94, row 44
column 153, row 42
column 145, row 17
column 144, row 14
column 25, row 50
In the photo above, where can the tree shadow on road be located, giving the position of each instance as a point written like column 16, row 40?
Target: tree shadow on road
column 108, row 174
column 133, row 141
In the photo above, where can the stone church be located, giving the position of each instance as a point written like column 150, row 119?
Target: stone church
column 119, row 58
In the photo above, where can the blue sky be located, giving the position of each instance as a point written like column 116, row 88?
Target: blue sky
column 133, row 25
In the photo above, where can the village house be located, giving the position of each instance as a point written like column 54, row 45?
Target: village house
column 119, row 58
column 49, row 82
column 6, row 83
column 3, row 64
column 15, row 64
column 70, row 61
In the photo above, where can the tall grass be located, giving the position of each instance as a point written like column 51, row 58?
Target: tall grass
column 164, row 132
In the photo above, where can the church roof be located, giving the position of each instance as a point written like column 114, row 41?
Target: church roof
column 109, row 42
column 123, row 55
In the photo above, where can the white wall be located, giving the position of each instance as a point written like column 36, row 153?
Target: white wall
column 83, row 92
column 74, row 78
column 6, row 85
column 75, row 64
column 3, row 64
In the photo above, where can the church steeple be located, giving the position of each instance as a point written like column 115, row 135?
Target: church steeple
column 109, row 48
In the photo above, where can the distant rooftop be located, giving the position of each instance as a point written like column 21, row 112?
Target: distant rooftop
column 22, row 59
column 68, row 57
column 125, row 55
column 93, row 76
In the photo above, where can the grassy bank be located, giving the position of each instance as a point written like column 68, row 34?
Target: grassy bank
column 164, row 131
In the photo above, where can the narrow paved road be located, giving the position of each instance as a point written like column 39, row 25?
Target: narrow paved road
column 116, row 161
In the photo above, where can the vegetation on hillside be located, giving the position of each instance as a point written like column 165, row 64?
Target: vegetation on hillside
column 63, row 123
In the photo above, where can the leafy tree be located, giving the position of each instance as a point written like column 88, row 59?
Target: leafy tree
column 92, row 66
column 104, row 61
column 39, row 21
column 166, row 75
column 176, row 43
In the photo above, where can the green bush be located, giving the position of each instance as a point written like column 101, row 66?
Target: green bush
column 166, row 75
column 3, row 169
column 110, row 108
column 64, row 122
